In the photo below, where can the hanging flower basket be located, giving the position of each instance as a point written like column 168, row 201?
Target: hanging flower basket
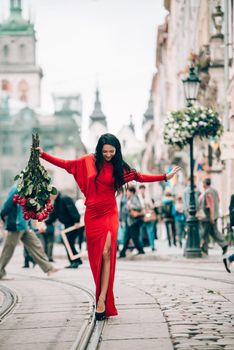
column 34, row 187
column 190, row 122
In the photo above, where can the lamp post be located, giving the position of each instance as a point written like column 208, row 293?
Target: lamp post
column 217, row 18
column 192, row 249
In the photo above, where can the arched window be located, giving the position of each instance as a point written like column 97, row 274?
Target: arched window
column 22, row 51
column 6, row 86
column 23, row 88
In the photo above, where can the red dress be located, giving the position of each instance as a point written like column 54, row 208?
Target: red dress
column 101, row 214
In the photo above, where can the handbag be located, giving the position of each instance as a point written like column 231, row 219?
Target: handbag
column 150, row 216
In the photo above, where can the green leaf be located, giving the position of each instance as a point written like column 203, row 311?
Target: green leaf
column 54, row 191
column 32, row 202
column 16, row 177
column 30, row 189
column 38, row 207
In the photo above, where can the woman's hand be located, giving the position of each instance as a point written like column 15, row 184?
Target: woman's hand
column 40, row 150
column 173, row 172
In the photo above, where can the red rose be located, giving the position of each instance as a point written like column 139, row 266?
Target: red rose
column 26, row 216
column 40, row 216
column 23, row 201
column 15, row 198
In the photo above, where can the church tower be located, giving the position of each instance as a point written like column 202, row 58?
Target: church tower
column 20, row 77
column 97, row 123
column 149, row 114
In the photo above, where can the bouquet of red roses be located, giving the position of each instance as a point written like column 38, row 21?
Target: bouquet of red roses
column 34, row 187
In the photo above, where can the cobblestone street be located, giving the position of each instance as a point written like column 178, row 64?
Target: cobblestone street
column 164, row 300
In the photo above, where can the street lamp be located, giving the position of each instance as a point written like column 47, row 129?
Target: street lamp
column 192, row 249
column 191, row 86
column 217, row 18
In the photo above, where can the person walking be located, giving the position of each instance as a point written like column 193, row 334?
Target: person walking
column 180, row 219
column 168, row 210
column 229, row 260
column 134, row 221
column 16, row 225
column 123, row 214
column 149, row 218
column 99, row 176
column 80, row 206
column 46, row 235
column 186, row 196
column 209, row 202
column 66, row 212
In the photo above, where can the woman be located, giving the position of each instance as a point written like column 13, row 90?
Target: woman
column 99, row 176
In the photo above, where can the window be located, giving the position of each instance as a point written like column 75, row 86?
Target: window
column 23, row 90
column 22, row 52
column 5, row 52
column 6, row 86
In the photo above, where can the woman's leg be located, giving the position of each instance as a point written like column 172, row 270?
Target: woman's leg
column 105, row 274
column 150, row 232
column 167, row 223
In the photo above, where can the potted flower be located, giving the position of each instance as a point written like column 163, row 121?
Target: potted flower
column 183, row 125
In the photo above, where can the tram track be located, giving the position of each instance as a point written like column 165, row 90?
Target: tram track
column 90, row 333
column 9, row 302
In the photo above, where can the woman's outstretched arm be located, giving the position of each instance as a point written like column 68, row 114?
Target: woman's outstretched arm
column 68, row 165
column 134, row 175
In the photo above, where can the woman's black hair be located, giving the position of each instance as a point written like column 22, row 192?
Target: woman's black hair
column 119, row 165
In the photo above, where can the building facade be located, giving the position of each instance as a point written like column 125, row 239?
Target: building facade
column 188, row 36
column 60, row 133
column 20, row 75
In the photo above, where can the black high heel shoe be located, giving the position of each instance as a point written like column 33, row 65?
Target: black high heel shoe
column 100, row 316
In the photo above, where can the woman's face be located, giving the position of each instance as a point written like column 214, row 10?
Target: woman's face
column 108, row 152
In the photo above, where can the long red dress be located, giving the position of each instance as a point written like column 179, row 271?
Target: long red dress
column 101, row 214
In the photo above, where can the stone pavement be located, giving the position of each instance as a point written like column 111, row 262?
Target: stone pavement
column 165, row 301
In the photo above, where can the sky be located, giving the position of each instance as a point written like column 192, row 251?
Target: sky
column 109, row 44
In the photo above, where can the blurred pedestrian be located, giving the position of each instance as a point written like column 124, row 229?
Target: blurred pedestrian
column 186, row 196
column 231, row 211
column 123, row 214
column 66, row 212
column 28, row 259
column 209, row 202
column 148, row 219
column 228, row 262
column 46, row 235
column 80, row 206
column 180, row 219
column 17, row 228
column 168, row 210
column 134, row 222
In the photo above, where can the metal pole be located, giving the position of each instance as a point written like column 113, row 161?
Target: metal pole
column 192, row 249
column 226, row 121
